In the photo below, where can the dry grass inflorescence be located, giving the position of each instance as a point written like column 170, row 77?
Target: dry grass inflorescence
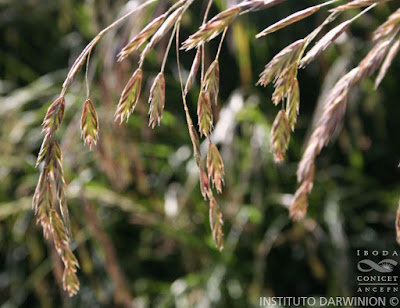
column 282, row 71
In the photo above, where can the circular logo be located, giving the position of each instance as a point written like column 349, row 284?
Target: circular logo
column 394, row 301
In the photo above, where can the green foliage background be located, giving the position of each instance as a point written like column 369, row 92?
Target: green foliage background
column 142, row 184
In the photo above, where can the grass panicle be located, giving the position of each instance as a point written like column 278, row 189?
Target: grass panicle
column 281, row 70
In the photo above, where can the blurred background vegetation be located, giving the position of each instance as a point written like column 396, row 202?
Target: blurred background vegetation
column 140, row 226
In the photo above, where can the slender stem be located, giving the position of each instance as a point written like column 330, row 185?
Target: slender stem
column 168, row 48
column 363, row 12
column 202, row 64
column 118, row 21
column 327, row 3
column 86, row 75
column 178, row 62
column 220, row 43
column 202, row 45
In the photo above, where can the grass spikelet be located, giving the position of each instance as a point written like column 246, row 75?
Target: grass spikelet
column 374, row 58
column 394, row 49
column 43, row 202
column 70, row 280
column 284, row 83
column 142, row 37
column 332, row 115
column 357, row 4
column 211, row 81
column 280, row 134
column 256, row 5
column 193, row 71
column 289, row 20
column 324, row 43
column 89, row 124
column 57, row 174
column 129, row 97
column 211, row 29
column 216, row 223
column 157, row 100
column 389, row 27
column 299, row 205
column 43, row 149
column 284, row 59
column 215, row 167
column 54, row 115
column 293, row 103
column 204, row 114
column 165, row 27
column 204, row 183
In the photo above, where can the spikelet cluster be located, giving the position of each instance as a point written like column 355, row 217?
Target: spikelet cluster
column 51, row 185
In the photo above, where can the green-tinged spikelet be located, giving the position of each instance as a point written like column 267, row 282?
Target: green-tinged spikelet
column 89, row 123
column 129, row 97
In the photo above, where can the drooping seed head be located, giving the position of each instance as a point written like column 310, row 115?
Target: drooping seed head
column 284, row 59
column 280, row 134
column 142, row 37
column 289, row 20
column 129, row 97
column 216, row 223
column 298, row 207
column 157, row 100
column 211, row 29
column 211, row 81
column 54, row 115
column 324, row 43
column 165, row 27
column 193, row 71
column 204, row 113
column 89, row 123
column 215, row 167
column 356, row 4
column 293, row 102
